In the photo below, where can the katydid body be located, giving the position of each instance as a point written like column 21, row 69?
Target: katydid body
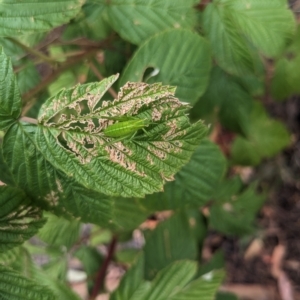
column 126, row 128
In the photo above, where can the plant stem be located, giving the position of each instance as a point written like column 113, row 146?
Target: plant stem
column 103, row 268
column 52, row 77
column 34, row 52
column 29, row 120
column 100, row 77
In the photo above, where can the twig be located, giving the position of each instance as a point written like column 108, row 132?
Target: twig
column 52, row 77
column 29, row 120
column 103, row 268
column 100, row 77
column 267, row 98
column 34, row 52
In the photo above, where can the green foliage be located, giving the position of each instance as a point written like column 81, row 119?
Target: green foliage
column 82, row 150
column 48, row 187
column 115, row 152
column 195, row 182
column 59, row 231
column 34, row 15
column 237, row 28
column 10, row 105
column 234, row 210
column 172, row 240
column 173, row 282
column 226, row 95
column 136, row 20
column 13, row 286
column 90, row 22
column 19, row 220
column 187, row 69
column 285, row 81
column 91, row 260
column 266, row 138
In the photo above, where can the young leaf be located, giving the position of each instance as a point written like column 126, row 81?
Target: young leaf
column 90, row 22
column 30, row 16
column 5, row 174
column 186, row 66
column 14, row 286
column 171, row 280
column 285, row 81
column 10, row 99
column 136, row 20
column 19, row 221
column 234, row 213
column 194, row 184
column 131, row 281
column 234, row 27
column 204, row 288
column 230, row 97
column 75, row 135
column 266, row 138
column 48, row 187
column 171, row 240
column 128, row 213
column 91, row 259
column 28, row 77
column 24, row 265
column 59, row 231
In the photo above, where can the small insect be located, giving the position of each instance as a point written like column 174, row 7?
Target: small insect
column 126, row 127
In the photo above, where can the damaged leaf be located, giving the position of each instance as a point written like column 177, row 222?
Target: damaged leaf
column 19, row 220
column 153, row 136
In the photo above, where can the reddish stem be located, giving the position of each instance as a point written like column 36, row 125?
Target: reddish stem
column 99, row 281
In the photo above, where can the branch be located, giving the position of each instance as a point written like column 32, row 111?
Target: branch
column 52, row 77
column 28, row 120
column 100, row 77
column 34, row 52
column 103, row 268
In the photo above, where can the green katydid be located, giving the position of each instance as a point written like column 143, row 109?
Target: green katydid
column 125, row 127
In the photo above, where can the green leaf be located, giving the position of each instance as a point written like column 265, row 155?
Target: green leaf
column 25, row 266
column 19, row 221
column 28, row 77
column 215, row 263
column 91, row 260
column 47, row 186
column 204, row 288
column 171, row 280
column 121, row 167
column 129, row 213
column 90, row 22
column 9, row 256
column 186, row 65
column 14, row 286
column 236, row 27
column 31, row 16
column 226, row 296
column 266, row 138
column 5, row 174
column 194, row 184
column 10, row 99
column 234, row 103
column 171, row 240
column 234, row 213
column 131, row 281
column 59, row 231
column 285, row 80
column 137, row 20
